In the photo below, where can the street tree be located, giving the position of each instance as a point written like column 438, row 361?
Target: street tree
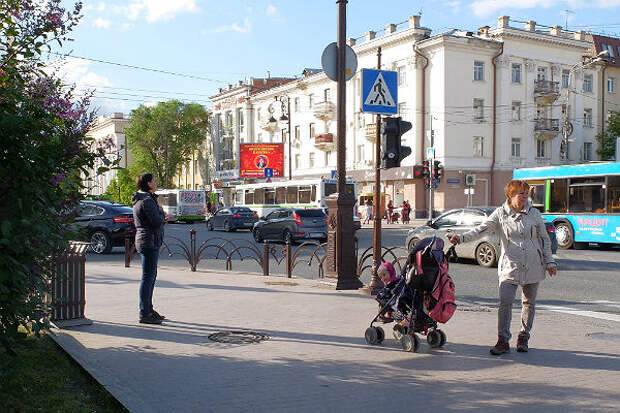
column 607, row 139
column 164, row 137
column 43, row 155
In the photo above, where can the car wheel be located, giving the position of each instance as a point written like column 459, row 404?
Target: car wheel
column 227, row 227
column 287, row 237
column 485, row 255
column 257, row 236
column 564, row 235
column 412, row 243
column 210, row 225
column 100, row 242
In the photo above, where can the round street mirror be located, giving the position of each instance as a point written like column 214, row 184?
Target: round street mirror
column 329, row 62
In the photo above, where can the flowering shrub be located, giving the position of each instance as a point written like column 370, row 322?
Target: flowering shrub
column 43, row 156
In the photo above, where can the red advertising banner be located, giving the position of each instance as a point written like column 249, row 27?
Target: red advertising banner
column 255, row 157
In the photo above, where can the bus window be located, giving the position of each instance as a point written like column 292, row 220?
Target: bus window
column 613, row 194
column 350, row 189
column 259, row 196
column 249, row 197
column 586, row 195
column 538, row 196
column 239, row 198
column 330, row 189
column 270, row 196
column 169, row 200
column 557, row 201
column 291, row 194
column 313, row 193
column 304, row 194
column 281, row 195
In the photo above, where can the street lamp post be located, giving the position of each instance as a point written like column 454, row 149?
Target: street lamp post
column 285, row 111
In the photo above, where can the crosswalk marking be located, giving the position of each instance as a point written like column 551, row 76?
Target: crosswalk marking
column 583, row 313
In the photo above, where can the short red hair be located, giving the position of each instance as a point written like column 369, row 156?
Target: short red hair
column 515, row 186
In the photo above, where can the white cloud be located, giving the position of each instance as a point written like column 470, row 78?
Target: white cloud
column 98, row 7
column 608, row 4
column 235, row 27
column 272, row 10
column 156, row 10
column 454, row 5
column 101, row 23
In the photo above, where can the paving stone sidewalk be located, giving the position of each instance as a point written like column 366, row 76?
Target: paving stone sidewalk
column 316, row 358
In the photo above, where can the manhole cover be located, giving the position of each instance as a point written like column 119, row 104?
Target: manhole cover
column 238, row 337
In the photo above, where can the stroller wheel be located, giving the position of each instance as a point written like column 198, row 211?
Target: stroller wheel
column 380, row 335
column 443, row 338
column 410, row 342
column 371, row 335
column 398, row 332
column 434, row 338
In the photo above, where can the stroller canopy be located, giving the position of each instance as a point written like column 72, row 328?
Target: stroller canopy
column 433, row 244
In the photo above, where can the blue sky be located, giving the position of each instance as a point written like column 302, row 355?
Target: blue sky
column 221, row 42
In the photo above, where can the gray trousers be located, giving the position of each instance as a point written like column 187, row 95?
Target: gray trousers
column 507, row 294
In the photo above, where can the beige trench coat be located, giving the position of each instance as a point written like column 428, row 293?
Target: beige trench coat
column 526, row 247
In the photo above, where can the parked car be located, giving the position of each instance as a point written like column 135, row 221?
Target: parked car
column 291, row 224
column 484, row 250
column 105, row 224
column 232, row 218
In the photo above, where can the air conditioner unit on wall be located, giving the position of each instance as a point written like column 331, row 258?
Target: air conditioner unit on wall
column 470, row 179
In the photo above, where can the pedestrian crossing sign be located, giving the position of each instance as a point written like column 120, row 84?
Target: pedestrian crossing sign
column 379, row 91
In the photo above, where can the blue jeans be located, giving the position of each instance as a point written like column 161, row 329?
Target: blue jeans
column 149, row 275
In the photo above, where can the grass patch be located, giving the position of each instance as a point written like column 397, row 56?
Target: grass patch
column 42, row 378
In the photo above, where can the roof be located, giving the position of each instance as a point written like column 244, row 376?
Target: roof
column 611, row 44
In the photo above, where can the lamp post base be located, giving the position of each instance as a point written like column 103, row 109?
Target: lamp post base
column 341, row 262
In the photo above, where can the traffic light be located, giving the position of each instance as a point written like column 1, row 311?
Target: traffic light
column 426, row 169
column 418, row 172
column 437, row 170
column 393, row 153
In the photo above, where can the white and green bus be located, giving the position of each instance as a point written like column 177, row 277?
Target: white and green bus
column 265, row 197
column 185, row 204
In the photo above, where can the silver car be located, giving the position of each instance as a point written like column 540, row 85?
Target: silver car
column 484, row 250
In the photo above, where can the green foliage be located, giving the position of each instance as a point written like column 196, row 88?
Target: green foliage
column 124, row 185
column 163, row 137
column 607, row 140
column 43, row 152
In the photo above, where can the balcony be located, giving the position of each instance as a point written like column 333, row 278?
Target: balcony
column 370, row 130
column 546, row 91
column 324, row 110
column 546, row 128
column 324, row 141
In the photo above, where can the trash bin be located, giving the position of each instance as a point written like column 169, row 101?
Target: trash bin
column 68, row 287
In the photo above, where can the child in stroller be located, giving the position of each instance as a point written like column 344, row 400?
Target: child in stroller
column 406, row 300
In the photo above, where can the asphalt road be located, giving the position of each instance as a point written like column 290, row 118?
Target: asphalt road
column 588, row 282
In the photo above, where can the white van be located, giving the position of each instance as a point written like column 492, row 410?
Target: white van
column 186, row 204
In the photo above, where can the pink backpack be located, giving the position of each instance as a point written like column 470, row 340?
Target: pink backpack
column 441, row 300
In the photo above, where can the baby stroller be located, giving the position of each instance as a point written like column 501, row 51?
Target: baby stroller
column 419, row 299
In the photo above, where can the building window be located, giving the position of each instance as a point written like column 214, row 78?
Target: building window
column 402, row 75
column 565, row 78
column 542, row 73
column 611, row 84
column 478, row 146
column 402, row 109
column 587, row 118
column 478, row 109
column 311, row 160
column 297, row 166
column 516, row 110
column 516, row 73
column 258, row 114
column 311, row 128
column 515, row 148
column 609, row 48
column 297, row 133
column 296, row 104
column 283, row 135
column 326, row 93
column 587, row 83
column 541, row 148
column 587, row 151
column 310, row 100
column 478, row 70
column 360, row 153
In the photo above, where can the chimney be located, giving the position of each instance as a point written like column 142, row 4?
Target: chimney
column 351, row 42
column 503, row 22
column 556, row 30
column 414, row 21
column 240, row 83
column 580, row 35
column 268, row 74
column 390, row 28
column 530, row 26
column 370, row 35
column 229, row 86
column 484, row 31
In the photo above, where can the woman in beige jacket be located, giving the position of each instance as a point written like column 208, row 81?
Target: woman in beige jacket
column 525, row 256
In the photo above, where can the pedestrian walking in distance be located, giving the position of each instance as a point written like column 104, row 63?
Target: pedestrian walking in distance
column 525, row 256
column 369, row 216
column 149, row 219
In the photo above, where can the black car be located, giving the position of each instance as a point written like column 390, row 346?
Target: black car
column 291, row 224
column 105, row 224
column 232, row 218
